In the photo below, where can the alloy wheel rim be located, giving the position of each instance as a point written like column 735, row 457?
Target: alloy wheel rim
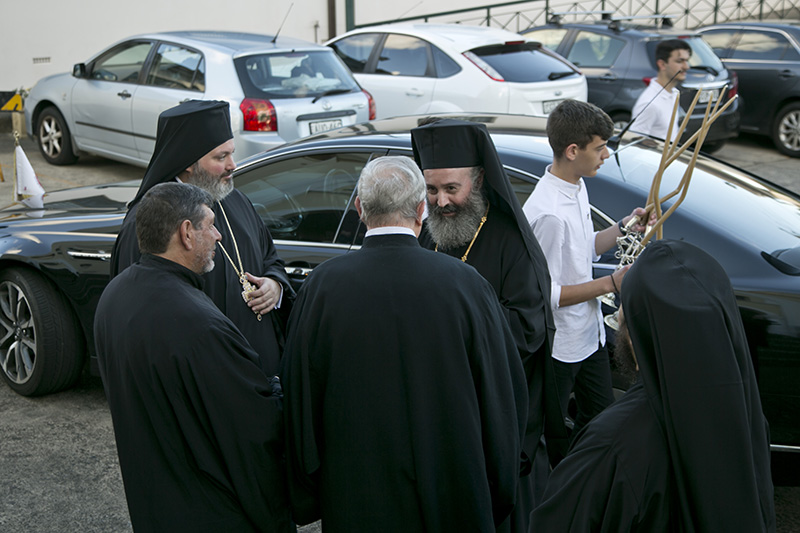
column 18, row 341
column 789, row 131
column 50, row 136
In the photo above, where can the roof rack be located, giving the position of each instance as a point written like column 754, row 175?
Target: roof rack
column 556, row 16
column 665, row 20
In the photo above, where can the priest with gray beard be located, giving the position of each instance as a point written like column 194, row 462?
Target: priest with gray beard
column 474, row 215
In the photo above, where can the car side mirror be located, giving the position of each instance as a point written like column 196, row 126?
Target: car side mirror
column 79, row 70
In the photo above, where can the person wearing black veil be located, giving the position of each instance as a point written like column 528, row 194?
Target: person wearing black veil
column 474, row 215
column 194, row 144
column 687, row 447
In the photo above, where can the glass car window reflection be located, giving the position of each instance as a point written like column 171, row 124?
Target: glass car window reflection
column 123, row 63
column 355, row 50
column 595, row 50
column 403, row 55
column 177, row 68
column 761, row 45
column 305, row 198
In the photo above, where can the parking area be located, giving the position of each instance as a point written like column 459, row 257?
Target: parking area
column 59, row 461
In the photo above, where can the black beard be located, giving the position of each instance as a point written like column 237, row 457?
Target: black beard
column 459, row 229
column 210, row 183
column 624, row 359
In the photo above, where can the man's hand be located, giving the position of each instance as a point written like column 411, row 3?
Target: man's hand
column 266, row 296
column 639, row 212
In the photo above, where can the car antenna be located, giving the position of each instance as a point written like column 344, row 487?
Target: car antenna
column 282, row 23
column 613, row 141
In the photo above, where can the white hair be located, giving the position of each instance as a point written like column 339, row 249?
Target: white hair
column 390, row 189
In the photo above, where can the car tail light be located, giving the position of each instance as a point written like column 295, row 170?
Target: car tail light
column 259, row 115
column 373, row 113
column 647, row 81
column 484, row 66
column 734, row 89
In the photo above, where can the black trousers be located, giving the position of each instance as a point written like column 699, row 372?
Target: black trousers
column 590, row 380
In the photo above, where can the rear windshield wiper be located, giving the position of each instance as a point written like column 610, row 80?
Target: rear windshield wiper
column 559, row 75
column 712, row 70
column 331, row 93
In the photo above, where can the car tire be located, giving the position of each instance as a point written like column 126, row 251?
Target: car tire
column 41, row 345
column 620, row 119
column 786, row 130
column 54, row 138
column 710, row 147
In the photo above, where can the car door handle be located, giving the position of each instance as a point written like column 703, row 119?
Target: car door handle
column 786, row 74
column 608, row 77
column 124, row 94
column 414, row 92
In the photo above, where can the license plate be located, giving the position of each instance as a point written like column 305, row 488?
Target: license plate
column 549, row 105
column 325, row 125
column 708, row 96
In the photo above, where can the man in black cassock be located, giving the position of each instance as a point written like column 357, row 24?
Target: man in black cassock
column 474, row 215
column 197, row 423
column 194, row 144
column 405, row 398
column 687, row 447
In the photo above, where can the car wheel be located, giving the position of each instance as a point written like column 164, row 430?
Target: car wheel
column 710, row 147
column 621, row 120
column 55, row 142
column 786, row 130
column 41, row 344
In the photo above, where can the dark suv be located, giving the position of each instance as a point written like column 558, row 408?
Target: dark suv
column 766, row 57
column 618, row 60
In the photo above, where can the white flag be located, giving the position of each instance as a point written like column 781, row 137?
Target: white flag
column 27, row 188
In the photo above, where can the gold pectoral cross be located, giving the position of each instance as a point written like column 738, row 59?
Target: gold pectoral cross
column 248, row 288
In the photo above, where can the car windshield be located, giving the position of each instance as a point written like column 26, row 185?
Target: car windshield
column 772, row 221
column 523, row 62
column 294, row 75
column 703, row 57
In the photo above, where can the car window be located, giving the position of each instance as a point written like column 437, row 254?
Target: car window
column 761, row 45
column 595, row 50
column 122, row 63
column 523, row 62
column 304, row 198
column 719, row 40
column 445, row 66
column 403, row 55
column 703, row 57
column 550, row 37
column 177, row 68
column 293, row 74
column 355, row 50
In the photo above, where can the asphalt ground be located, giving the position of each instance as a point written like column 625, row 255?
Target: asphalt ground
column 58, row 464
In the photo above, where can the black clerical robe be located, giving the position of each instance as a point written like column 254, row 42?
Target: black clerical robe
column 617, row 476
column 500, row 256
column 405, row 398
column 197, row 426
column 259, row 257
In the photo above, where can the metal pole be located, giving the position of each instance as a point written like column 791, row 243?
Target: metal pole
column 349, row 15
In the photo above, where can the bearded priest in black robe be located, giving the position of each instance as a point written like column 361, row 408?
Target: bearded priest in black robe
column 196, row 421
column 687, row 447
column 194, row 144
column 405, row 397
column 474, row 215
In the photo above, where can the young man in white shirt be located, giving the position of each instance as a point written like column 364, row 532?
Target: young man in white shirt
column 653, row 109
column 558, row 211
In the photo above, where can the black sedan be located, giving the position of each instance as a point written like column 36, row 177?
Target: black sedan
column 766, row 56
column 54, row 264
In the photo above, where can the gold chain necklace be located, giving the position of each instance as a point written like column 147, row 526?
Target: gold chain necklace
column 483, row 221
column 246, row 285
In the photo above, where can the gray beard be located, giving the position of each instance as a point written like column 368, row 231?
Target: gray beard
column 458, row 230
column 212, row 184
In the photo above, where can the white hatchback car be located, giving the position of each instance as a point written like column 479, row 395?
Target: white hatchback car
column 436, row 68
column 279, row 90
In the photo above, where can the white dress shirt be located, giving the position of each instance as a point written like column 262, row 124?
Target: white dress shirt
column 559, row 214
column 653, row 119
